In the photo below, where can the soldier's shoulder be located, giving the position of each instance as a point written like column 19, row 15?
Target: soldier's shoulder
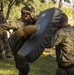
column 17, row 21
column 61, row 30
column 67, row 29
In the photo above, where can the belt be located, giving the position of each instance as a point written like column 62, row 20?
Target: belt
column 65, row 65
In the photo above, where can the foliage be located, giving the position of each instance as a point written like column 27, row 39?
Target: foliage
column 7, row 67
column 43, row 1
column 68, row 11
column 36, row 5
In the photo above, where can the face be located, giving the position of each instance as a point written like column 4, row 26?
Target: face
column 26, row 15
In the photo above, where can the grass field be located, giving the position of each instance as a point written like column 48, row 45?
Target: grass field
column 45, row 65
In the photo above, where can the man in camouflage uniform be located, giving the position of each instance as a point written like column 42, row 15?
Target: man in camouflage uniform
column 26, row 21
column 3, row 39
column 64, row 43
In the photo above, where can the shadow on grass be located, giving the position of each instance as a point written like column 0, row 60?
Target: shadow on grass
column 43, row 66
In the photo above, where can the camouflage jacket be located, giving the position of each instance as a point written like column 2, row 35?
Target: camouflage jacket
column 64, row 43
column 14, row 24
column 17, row 23
column 2, row 21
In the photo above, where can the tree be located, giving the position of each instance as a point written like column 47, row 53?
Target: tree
column 11, row 2
column 60, row 3
column 2, row 6
column 17, row 3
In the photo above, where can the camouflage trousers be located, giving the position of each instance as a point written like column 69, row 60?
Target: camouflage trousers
column 4, row 45
column 60, row 71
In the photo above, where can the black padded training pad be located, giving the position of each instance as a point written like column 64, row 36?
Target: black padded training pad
column 47, row 21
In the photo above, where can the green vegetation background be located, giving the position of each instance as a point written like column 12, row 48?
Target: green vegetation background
column 37, row 7
column 45, row 65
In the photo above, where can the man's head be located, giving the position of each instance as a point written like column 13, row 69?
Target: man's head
column 26, row 13
column 63, row 21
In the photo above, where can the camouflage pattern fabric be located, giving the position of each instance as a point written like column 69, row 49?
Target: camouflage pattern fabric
column 14, row 24
column 64, row 42
column 3, row 39
column 64, row 72
column 6, row 45
column 17, row 23
column 15, row 42
column 3, row 43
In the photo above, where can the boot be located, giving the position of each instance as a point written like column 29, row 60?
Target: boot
column 28, row 30
column 20, row 73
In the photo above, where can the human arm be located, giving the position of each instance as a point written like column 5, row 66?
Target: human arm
column 7, row 27
column 56, row 39
column 13, row 24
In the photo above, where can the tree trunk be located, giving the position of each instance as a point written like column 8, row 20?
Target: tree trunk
column 9, row 8
column 2, row 6
column 60, row 4
column 8, row 12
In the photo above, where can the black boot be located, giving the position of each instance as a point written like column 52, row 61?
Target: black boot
column 20, row 73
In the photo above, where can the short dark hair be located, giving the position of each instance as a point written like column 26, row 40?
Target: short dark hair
column 64, row 18
column 26, row 8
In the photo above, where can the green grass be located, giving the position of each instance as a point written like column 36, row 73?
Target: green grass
column 45, row 65
column 7, row 67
